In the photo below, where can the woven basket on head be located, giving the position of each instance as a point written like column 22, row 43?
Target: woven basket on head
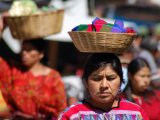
column 36, row 25
column 101, row 41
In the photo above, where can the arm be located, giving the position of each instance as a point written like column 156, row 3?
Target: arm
column 72, row 100
column 5, row 87
column 5, row 76
column 2, row 23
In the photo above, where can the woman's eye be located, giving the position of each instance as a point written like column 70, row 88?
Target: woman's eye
column 143, row 76
column 97, row 78
column 111, row 78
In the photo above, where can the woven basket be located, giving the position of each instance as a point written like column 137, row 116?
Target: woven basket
column 102, row 41
column 36, row 25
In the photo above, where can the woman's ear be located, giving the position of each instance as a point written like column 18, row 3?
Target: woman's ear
column 41, row 55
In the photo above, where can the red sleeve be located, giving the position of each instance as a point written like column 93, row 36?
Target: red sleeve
column 5, row 77
column 5, row 70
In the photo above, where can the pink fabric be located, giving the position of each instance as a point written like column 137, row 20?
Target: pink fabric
column 83, row 111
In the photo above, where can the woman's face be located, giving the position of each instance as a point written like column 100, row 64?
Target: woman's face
column 141, row 80
column 30, row 55
column 103, row 85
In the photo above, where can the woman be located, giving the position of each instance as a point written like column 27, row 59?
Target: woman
column 103, row 78
column 33, row 91
column 139, row 90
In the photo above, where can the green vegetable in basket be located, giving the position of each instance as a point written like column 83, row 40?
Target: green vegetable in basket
column 48, row 8
column 23, row 7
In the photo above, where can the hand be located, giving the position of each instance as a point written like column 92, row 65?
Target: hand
column 41, row 116
column 72, row 100
column 5, row 115
column 22, row 115
column 25, row 116
column 2, row 24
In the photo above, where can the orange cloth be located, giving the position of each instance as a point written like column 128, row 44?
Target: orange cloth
column 32, row 94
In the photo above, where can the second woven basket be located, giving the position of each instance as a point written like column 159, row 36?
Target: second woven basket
column 36, row 25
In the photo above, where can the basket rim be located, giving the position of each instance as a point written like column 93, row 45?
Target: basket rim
column 37, row 14
column 91, row 32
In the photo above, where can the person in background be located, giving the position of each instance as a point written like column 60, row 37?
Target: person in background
column 32, row 90
column 144, row 53
column 125, row 59
column 102, row 77
column 73, row 83
column 139, row 89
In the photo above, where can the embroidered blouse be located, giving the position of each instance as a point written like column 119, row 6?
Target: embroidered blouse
column 84, row 111
column 32, row 94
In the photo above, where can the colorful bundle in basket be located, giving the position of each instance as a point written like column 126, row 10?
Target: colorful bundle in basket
column 100, row 25
column 101, row 36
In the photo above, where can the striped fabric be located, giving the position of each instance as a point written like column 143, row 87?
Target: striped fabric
column 84, row 111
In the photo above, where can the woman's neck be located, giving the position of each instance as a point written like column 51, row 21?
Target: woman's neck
column 137, row 93
column 39, row 69
column 35, row 67
column 104, row 106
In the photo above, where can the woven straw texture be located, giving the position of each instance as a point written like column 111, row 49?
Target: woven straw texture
column 102, row 41
column 35, row 26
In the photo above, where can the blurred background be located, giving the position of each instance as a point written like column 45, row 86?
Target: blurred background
column 142, row 15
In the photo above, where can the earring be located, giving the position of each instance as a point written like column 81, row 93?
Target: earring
column 119, row 91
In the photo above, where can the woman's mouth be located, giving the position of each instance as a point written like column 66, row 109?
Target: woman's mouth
column 104, row 94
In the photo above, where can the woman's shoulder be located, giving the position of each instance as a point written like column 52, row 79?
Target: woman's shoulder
column 48, row 71
column 128, row 105
column 3, row 61
column 71, row 110
column 131, row 108
column 157, row 92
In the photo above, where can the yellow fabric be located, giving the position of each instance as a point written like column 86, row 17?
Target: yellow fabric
column 3, row 105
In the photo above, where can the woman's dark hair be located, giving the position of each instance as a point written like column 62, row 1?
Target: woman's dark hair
column 136, row 64
column 98, row 60
column 41, row 45
column 38, row 44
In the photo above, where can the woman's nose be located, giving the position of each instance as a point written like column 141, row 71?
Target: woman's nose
column 104, row 83
column 24, row 52
column 147, row 80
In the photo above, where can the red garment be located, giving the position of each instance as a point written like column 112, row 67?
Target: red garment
column 152, row 106
column 84, row 111
column 32, row 94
